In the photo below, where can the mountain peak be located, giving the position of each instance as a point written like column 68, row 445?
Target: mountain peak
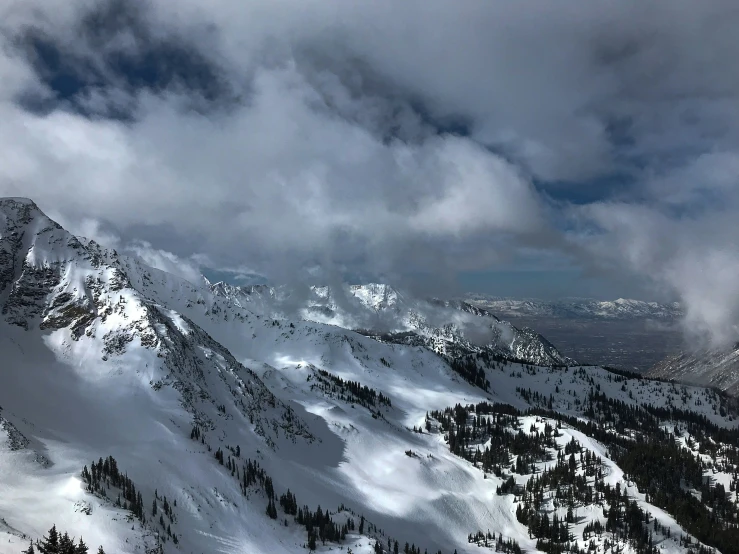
column 16, row 200
column 20, row 211
column 11, row 207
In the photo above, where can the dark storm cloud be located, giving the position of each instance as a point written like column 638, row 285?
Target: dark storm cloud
column 388, row 139
column 114, row 56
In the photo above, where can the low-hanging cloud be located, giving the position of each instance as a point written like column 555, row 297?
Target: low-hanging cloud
column 387, row 140
column 694, row 256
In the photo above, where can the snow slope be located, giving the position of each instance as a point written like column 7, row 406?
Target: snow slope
column 103, row 355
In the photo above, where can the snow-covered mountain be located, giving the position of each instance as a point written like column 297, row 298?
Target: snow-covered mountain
column 717, row 368
column 146, row 413
column 578, row 308
column 451, row 328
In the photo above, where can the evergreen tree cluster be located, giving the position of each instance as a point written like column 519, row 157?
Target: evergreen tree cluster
column 564, row 484
column 289, row 503
column 536, row 398
column 350, row 391
column 167, row 509
column 664, row 470
column 470, row 370
column 627, row 521
column 466, row 428
column 196, row 434
column 104, row 475
column 320, row 526
column 640, row 444
column 488, row 540
column 57, row 543
column 409, row 549
column 666, row 473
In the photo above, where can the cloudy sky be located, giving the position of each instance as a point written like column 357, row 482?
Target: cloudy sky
column 519, row 148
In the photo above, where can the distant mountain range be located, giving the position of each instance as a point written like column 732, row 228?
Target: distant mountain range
column 577, row 308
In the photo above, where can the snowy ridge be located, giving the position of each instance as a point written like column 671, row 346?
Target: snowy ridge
column 103, row 355
column 448, row 327
column 254, row 296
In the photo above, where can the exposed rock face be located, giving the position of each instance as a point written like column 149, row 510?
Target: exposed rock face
column 28, row 294
column 34, row 251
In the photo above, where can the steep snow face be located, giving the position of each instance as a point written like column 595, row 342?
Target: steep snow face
column 579, row 308
column 103, row 355
column 710, row 368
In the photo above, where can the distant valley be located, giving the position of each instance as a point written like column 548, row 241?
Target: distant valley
column 627, row 334
column 633, row 345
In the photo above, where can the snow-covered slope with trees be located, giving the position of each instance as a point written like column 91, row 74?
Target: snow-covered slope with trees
column 145, row 413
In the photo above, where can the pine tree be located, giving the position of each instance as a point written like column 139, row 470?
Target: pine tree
column 271, row 509
column 30, row 549
column 81, row 547
column 100, row 550
column 66, row 544
column 50, row 544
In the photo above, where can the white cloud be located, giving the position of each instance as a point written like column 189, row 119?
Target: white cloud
column 694, row 256
column 166, row 261
column 88, row 228
column 280, row 179
column 308, row 135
